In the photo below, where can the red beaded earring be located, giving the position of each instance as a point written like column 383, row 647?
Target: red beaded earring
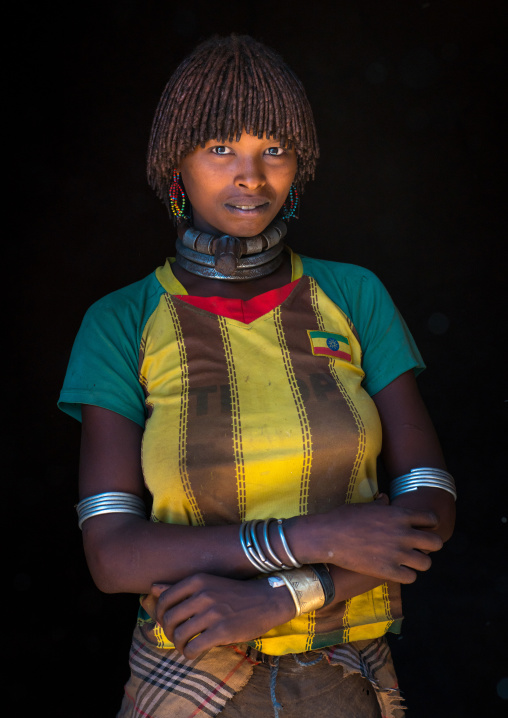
column 290, row 206
column 177, row 192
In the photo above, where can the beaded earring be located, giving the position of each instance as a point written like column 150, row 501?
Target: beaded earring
column 177, row 192
column 290, row 206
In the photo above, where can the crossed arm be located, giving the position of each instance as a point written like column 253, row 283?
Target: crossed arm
column 213, row 587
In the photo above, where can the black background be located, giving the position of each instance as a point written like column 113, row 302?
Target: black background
column 408, row 100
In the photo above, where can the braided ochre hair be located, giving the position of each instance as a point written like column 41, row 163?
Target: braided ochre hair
column 225, row 85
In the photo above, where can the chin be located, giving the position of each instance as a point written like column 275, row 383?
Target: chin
column 248, row 228
column 235, row 224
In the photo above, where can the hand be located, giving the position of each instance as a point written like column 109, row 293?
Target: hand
column 376, row 539
column 216, row 611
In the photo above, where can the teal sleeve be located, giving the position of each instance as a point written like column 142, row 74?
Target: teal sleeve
column 103, row 367
column 388, row 348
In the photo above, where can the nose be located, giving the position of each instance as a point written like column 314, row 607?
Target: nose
column 250, row 174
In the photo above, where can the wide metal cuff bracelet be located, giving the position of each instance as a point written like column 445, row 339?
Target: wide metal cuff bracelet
column 305, row 589
column 323, row 574
column 423, row 477
column 110, row 502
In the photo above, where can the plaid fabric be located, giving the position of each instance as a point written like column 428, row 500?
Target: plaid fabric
column 164, row 684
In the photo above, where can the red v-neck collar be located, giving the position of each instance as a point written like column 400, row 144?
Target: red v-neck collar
column 243, row 310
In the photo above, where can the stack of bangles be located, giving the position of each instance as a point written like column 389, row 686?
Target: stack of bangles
column 310, row 586
column 111, row 502
column 423, row 477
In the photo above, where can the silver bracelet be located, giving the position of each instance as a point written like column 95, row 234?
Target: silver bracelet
column 252, row 549
column 255, row 552
column 290, row 556
column 304, row 586
column 277, row 560
column 269, row 566
column 423, row 477
column 110, row 502
column 249, row 553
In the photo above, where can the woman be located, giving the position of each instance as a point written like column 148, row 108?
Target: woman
column 246, row 387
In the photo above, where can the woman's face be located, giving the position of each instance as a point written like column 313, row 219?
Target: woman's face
column 237, row 188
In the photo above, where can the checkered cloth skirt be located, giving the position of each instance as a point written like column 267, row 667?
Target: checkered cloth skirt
column 165, row 684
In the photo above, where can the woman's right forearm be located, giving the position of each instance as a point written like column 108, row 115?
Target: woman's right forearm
column 126, row 554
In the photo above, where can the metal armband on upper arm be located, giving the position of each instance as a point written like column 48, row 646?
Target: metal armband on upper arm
column 110, row 502
column 423, row 477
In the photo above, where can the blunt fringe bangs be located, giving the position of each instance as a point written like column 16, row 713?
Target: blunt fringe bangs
column 225, row 85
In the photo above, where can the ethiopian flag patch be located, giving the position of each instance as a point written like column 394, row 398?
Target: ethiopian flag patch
column 329, row 345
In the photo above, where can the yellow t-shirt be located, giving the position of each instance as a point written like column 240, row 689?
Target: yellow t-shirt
column 264, row 415
column 262, row 419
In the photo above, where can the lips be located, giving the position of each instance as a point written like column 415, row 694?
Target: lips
column 251, row 207
column 247, row 203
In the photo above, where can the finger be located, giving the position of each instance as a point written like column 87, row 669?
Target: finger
column 176, row 594
column 158, row 588
column 399, row 573
column 199, row 644
column 188, row 631
column 220, row 633
column 426, row 541
column 171, row 617
column 382, row 500
column 423, row 519
column 182, row 613
column 388, row 569
column 417, row 560
column 406, row 575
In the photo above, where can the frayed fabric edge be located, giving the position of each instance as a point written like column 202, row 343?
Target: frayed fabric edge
column 372, row 660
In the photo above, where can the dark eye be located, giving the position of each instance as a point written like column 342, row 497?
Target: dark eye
column 221, row 150
column 275, row 151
